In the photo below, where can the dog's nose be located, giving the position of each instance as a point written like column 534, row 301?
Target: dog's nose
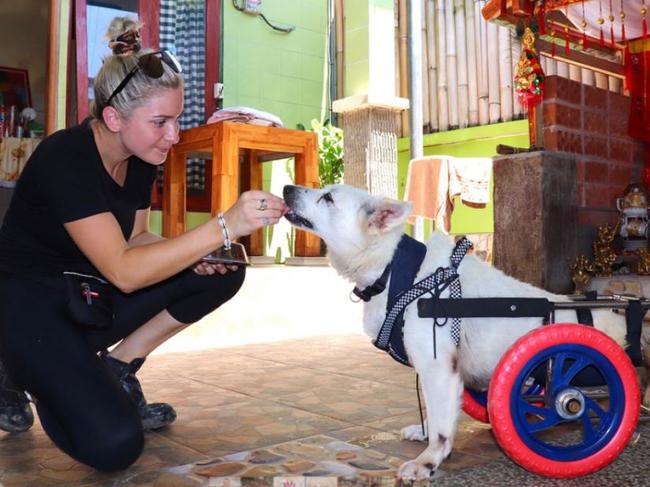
column 288, row 192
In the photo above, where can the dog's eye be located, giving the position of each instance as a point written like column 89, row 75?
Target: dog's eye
column 327, row 197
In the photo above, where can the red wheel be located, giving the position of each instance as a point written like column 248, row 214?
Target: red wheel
column 475, row 405
column 590, row 407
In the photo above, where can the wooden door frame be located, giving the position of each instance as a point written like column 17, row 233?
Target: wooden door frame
column 78, row 62
column 148, row 10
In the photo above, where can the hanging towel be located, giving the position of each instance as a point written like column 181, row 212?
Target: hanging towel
column 432, row 183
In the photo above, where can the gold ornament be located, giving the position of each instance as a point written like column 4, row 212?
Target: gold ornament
column 582, row 270
column 604, row 255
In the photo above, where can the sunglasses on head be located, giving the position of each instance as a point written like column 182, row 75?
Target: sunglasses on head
column 151, row 65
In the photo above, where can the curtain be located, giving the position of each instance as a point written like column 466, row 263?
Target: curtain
column 182, row 31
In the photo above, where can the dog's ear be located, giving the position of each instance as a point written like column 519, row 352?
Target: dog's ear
column 386, row 214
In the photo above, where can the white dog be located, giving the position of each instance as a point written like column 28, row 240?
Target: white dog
column 362, row 233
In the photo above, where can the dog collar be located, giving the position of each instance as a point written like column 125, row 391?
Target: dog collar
column 375, row 288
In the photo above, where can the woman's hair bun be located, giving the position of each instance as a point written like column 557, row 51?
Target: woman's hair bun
column 124, row 35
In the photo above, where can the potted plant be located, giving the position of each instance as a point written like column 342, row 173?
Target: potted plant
column 330, row 152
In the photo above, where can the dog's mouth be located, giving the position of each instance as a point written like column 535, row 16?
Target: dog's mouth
column 298, row 220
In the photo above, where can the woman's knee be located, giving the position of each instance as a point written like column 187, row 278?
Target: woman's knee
column 207, row 294
column 236, row 279
column 116, row 450
column 224, row 287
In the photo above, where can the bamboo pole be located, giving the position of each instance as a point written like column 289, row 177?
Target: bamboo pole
column 432, row 68
column 340, row 45
column 415, row 77
column 461, row 66
column 574, row 73
column 472, row 65
column 398, row 79
column 515, row 51
column 615, row 84
column 482, row 56
column 426, row 107
column 403, row 64
column 551, row 66
column 587, row 77
column 443, row 91
column 493, row 72
column 451, row 64
column 601, row 81
column 505, row 74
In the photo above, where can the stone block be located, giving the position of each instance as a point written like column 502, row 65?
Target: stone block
column 535, row 222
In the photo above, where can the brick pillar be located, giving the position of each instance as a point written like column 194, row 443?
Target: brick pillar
column 535, row 218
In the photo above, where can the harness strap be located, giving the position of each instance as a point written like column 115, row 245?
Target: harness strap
column 406, row 264
column 438, row 282
column 455, row 291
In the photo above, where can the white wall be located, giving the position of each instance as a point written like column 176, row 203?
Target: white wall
column 23, row 44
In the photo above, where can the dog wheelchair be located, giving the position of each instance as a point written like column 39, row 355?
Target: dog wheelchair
column 564, row 400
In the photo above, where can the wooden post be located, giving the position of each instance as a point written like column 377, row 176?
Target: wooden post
column 306, row 171
column 174, row 197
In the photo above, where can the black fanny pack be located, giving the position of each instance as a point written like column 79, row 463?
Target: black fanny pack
column 90, row 300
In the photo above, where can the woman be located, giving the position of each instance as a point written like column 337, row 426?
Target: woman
column 81, row 208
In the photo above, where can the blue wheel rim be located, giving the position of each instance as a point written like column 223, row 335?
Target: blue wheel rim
column 569, row 360
column 481, row 397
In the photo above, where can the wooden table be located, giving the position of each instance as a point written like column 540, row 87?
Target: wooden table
column 222, row 142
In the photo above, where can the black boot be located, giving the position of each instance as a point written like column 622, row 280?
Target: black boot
column 15, row 412
column 155, row 415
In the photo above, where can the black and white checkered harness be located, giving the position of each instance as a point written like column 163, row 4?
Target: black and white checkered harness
column 391, row 335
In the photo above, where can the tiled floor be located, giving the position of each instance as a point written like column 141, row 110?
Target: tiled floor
column 318, row 407
column 327, row 406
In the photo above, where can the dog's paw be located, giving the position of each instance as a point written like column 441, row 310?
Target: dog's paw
column 413, row 433
column 414, row 470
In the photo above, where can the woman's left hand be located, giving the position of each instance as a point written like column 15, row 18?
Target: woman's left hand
column 207, row 269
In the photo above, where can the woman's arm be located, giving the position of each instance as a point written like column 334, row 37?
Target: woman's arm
column 141, row 235
column 130, row 267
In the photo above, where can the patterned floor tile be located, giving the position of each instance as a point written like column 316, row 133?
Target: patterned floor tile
column 309, row 408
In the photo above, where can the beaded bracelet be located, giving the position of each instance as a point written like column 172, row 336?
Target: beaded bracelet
column 227, row 242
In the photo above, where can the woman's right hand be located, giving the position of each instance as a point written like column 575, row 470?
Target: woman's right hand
column 254, row 209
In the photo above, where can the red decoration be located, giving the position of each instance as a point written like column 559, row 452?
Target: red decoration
column 637, row 82
column 623, row 33
column 611, row 23
column 529, row 75
column 601, row 21
column 622, row 15
column 540, row 20
column 552, row 43
column 584, row 26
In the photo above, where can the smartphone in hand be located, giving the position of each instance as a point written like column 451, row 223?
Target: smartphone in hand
column 235, row 255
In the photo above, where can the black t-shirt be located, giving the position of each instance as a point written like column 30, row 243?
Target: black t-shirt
column 64, row 180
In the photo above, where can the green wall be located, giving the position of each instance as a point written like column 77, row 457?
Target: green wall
column 470, row 142
column 284, row 74
column 356, row 49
